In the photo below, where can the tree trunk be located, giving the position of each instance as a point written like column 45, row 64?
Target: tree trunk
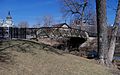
column 102, row 31
column 114, row 33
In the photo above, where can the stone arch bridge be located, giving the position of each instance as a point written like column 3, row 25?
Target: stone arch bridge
column 73, row 36
column 70, row 37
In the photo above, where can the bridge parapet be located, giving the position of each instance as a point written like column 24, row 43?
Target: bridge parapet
column 52, row 32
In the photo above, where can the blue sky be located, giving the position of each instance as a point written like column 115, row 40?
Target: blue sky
column 30, row 10
column 33, row 10
column 111, row 10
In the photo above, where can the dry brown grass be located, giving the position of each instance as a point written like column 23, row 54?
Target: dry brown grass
column 38, row 60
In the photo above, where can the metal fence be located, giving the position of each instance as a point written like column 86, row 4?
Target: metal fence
column 9, row 33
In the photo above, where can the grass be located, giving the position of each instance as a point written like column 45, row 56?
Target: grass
column 31, row 58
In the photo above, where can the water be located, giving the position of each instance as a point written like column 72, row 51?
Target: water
column 116, row 57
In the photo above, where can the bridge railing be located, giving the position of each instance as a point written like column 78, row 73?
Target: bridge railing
column 53, row 32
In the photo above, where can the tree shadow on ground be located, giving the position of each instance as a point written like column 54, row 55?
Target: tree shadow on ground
column 25, row 46
column 43, row 47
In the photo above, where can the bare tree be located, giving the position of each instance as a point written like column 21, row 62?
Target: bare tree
column 74, row 23
column 78, row 9
column 106, row 51
column 37, row 25
column 74, row 7
column 102, row 31
column 23, row 24
column 114, row 33
column 47, row 21
column 89, row 23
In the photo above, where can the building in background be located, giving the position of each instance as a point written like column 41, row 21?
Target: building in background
column 8, row 22
column 5, row 27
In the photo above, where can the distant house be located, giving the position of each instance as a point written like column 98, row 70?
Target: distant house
column 62, row 26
